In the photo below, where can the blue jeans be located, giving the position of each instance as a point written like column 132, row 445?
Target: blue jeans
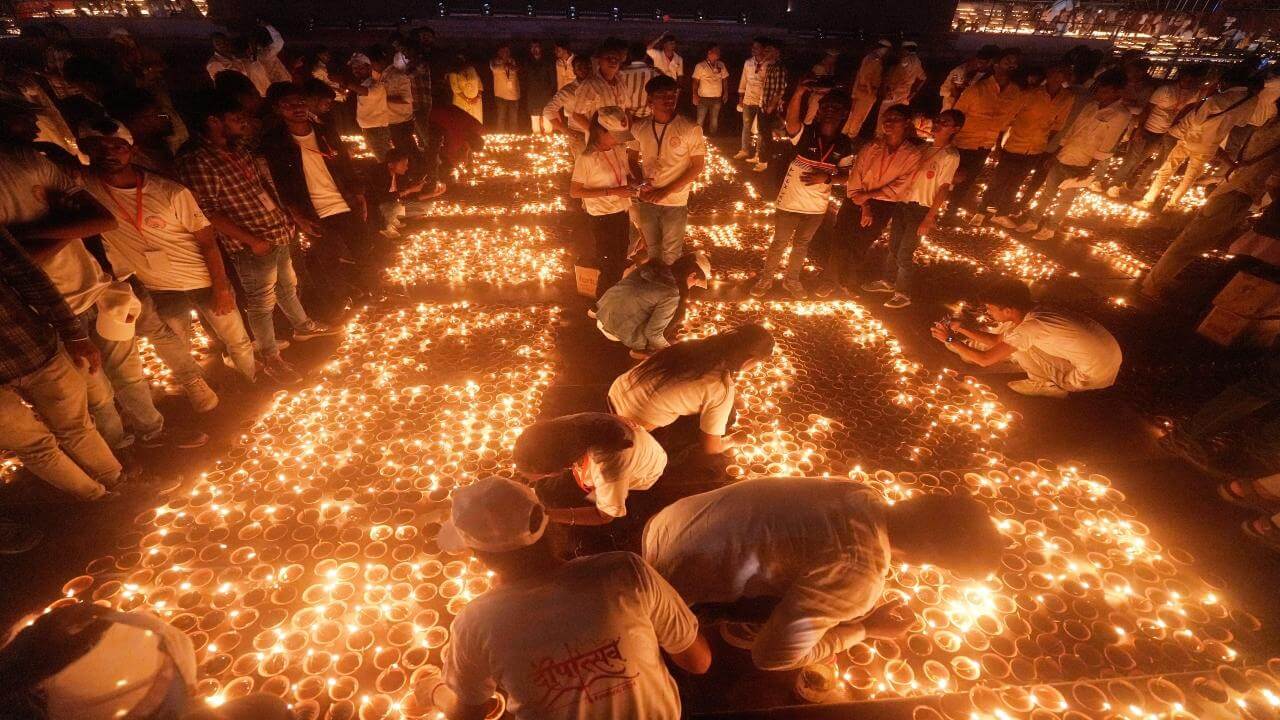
column 379, row 140
column 268, row 280
column 663, row 229
column 749, row 114
column 121, row 381
column 794, row 230
column 174, row 352
column 709, row 109
column 899, row 262
column 174, row 309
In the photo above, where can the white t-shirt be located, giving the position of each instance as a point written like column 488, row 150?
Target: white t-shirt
column 603, row 169
column 813, row 155
column 609, row 477
column 396, row 83
column 710, row 397
column 710, row 78
column 666, row 151
column 163, row 253
column 1166, row 102
column 26, row 180
column 672, row 67
column 1086, row 345
column 325, row 196
column 937, row 168
column 581, row 644
column 371, row 108
column 506, row 82
column 751, row 86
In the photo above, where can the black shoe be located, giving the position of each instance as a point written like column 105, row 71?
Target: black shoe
column 178, row 438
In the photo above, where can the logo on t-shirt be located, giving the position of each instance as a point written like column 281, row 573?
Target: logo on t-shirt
column 595, row 674
column 154, row 222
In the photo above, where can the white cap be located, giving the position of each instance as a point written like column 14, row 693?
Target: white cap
column 885, row 43
column 118, row 310
column 100, row 129
column 615, row 120
column 493, row 514
column 910, row 44
column 359, row 59
column 704, row 264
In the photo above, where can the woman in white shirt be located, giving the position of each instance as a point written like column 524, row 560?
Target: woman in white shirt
column 694, row 377
column 602, row 180
column 609, row 456
column 466, row 87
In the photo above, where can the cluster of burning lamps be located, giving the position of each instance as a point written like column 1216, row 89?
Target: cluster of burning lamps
column 304, row 563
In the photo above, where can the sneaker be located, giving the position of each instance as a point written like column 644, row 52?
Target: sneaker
column 761, row 167
column 739, row 634
column 753, row 160
column 314, row 330
column 637, row 355
column 825, row 288
column 16, row 538
column 1037, row 388
column 795, row 289
column 1142, row 204
column 741, row 154
column 1095, row 186
column 280, row 372
column 1043, row 234
column 976, row 219
column 200, row 395
column 1026, row 227
column 1114, row 191
column 897, row 301
column 878, row 286
column 762, row 286
column 591, row 313
column 176, row 437
column 1005, row 222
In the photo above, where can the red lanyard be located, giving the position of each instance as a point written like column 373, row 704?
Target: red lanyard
column 618, row 174
column 137, row 194
column 246, row 169
column 827, row 154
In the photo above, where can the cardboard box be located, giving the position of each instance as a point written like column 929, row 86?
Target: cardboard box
column 587, row 279
column 1249, row 296
column 1224, row 327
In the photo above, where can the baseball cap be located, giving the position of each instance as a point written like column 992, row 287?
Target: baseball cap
column 108, row 128
column 493, row 514
column 118, row 310
column 910, row 44
column 615, row 120
column 359, row 59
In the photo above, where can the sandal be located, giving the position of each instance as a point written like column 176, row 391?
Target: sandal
column 1241, row 493
column 1263, row 531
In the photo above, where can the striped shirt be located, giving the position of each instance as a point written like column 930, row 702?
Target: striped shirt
column 33, row 314
column 234, row 183
column 634, row 77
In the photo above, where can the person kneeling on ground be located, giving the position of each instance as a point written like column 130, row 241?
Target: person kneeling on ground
column 1061, row 352
column 85, row 661
column 693, row 377
column 609, row 613
column 823, row 547
column 396, row 195
column 644, row 310
column 609, row 457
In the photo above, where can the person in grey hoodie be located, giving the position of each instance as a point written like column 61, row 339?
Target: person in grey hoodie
column 643, row 310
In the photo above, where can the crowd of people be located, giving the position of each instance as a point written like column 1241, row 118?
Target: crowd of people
column 127, row 209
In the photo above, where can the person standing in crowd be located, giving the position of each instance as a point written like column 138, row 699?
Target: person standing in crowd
column 558, row 112
column 320, row 193
column 610, row 610
column 1045, row 108
column 903, row 80
column 989, row 105
column 964, row 74
column 148, row 124
column 373, row 111
column 1061, row 352
column 44, row 407
column 673, row 154
column 866, row 87
column 539, row 77
column 662, row 51
column 917, row 215
column 823, row 548
column 602, row 180
column 466, row 87
column 1200, row 133
column 422, row 91
column 164, row 240
column 602, row 89
column 635, row 75
column 1254, row 175
column 506, row 90
column 269, row 43
column 400, row 101
column 823, row 158
column 224, row 56
column 751, row 96
column 236, row 194
column 772, row 94
column 564, row 64
column 879, row 179
column 645, row 309
column 1091, row 138
column 1150, row 137
column 608, row 457
column 319, row 68
column 692, row 377
column 710, row 85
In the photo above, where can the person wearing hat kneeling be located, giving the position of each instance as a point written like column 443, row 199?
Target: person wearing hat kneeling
column 645, row 309
column 579, row 639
